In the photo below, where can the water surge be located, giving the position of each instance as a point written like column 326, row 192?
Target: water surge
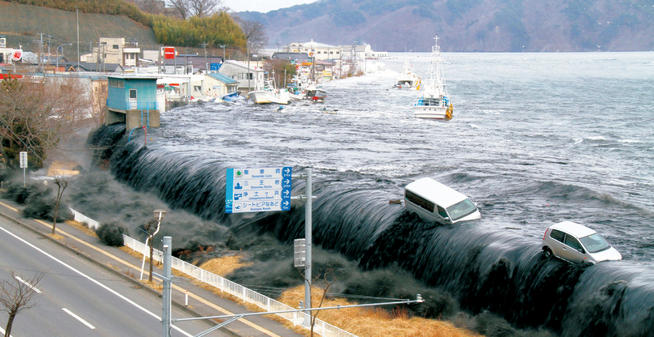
column 486, row 270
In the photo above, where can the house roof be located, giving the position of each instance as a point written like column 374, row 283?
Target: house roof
column 222, row 78
column 291, row 56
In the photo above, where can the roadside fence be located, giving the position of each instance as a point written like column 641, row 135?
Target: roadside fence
column 250, row 296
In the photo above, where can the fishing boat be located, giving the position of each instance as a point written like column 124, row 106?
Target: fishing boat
column 407, row 79
column 269, row 94
column 316, row 95
column 433, row 103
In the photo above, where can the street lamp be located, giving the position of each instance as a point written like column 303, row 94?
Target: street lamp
column 223, row 47
column 158, row 215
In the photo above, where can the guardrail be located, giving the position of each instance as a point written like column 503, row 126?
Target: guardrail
column 250, row 296
column 79, row 217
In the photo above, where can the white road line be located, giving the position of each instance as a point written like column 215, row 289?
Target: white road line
column 27, row 284
column 93, row 281
column 88, row 325
column 3, row 332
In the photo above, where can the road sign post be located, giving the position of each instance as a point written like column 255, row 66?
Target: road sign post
column 258, row 189
column 23, row 164
column 307, row 236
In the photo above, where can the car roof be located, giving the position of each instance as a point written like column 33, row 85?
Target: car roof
column 432, row 190
column 573, row 229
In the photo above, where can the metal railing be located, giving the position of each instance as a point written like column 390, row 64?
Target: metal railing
column 250, row 296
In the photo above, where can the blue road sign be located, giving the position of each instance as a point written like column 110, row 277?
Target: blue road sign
column 258, row 189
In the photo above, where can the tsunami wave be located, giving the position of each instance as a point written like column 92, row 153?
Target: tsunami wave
column 484, row 269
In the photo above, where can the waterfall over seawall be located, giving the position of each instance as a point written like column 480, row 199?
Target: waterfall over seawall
column 484, row 269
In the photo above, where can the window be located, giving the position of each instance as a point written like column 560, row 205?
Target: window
column 595, row 243
column 461, row 209
column 573, row 243
column 116, row 83
column 115, row 46
column 420, row 201
column 557, row 235
column 441, row 211
column 132, row 93
column 197, row 88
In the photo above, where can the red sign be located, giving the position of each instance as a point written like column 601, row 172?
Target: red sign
column 12, row 76
column 169, row 53
column 17, row 55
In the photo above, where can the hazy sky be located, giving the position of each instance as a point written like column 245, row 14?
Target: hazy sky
column 261, row 5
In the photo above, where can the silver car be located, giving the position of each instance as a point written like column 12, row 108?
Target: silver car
column 577, row 243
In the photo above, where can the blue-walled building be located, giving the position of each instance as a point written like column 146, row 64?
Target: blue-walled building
column 132, row 99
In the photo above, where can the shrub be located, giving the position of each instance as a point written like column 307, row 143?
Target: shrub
column 41, row 206
column 111, row 234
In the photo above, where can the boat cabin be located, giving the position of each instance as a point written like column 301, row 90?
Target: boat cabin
column 435, row 202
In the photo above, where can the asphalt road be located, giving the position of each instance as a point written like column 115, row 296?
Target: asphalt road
column 78, row 297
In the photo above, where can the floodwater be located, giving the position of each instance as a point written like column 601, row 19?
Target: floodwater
column 535, row 139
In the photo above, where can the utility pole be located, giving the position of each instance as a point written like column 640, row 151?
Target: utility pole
column 307, row 236
column 223, row 47
column 41, row 54
column 167, row 280
column 77, row 15
column 249, row 74
column 206, row 64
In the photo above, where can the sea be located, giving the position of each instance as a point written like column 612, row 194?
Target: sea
column 536, row 138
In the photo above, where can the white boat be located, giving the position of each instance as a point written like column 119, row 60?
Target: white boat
column 433, row 103
column 408, row 79
column 269, row 94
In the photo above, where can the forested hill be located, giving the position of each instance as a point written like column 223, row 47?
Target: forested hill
column 467, row 25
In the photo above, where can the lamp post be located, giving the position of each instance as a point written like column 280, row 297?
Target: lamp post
column 223, row 47
column 158, row 215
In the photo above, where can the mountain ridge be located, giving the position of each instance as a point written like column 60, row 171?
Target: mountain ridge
column 467, row 25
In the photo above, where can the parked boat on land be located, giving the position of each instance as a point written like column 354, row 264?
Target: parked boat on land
column 434, row 103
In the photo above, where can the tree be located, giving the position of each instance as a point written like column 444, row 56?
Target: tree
column 199, row 8
column 35, row 115
column 61, row 187
column 255, row 36
column 16, row 295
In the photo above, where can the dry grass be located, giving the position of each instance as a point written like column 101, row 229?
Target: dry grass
column 376, row 322
column 363, row 322
column 81, row 227
column 225, row 264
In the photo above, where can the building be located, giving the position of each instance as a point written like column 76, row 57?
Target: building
column 318, row 50
column 8, row 55
column 248, row 79
column 291, row 57
column 114, row 50
column 132, row 99
column 218, row 85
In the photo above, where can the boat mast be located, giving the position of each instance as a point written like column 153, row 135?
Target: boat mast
column 436, row 79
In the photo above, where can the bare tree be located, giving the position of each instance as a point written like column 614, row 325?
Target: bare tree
column 255, row 35
column 16, row 295
column 200, row 8
column 35, row 116
column 328, row 283
column 255, row 38
column 61, row 187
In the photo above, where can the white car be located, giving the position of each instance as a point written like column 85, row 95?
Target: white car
column 577, row 243
column 435, row 202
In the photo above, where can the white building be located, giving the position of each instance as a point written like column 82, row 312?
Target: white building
column 320, row 51
column 248, row 79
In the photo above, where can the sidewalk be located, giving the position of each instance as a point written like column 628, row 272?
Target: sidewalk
column 201, row 302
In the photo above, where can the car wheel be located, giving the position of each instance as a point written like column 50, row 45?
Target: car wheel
column 547, row 252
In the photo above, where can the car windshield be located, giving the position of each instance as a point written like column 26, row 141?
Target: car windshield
column 461, row 209
column 595, row 243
